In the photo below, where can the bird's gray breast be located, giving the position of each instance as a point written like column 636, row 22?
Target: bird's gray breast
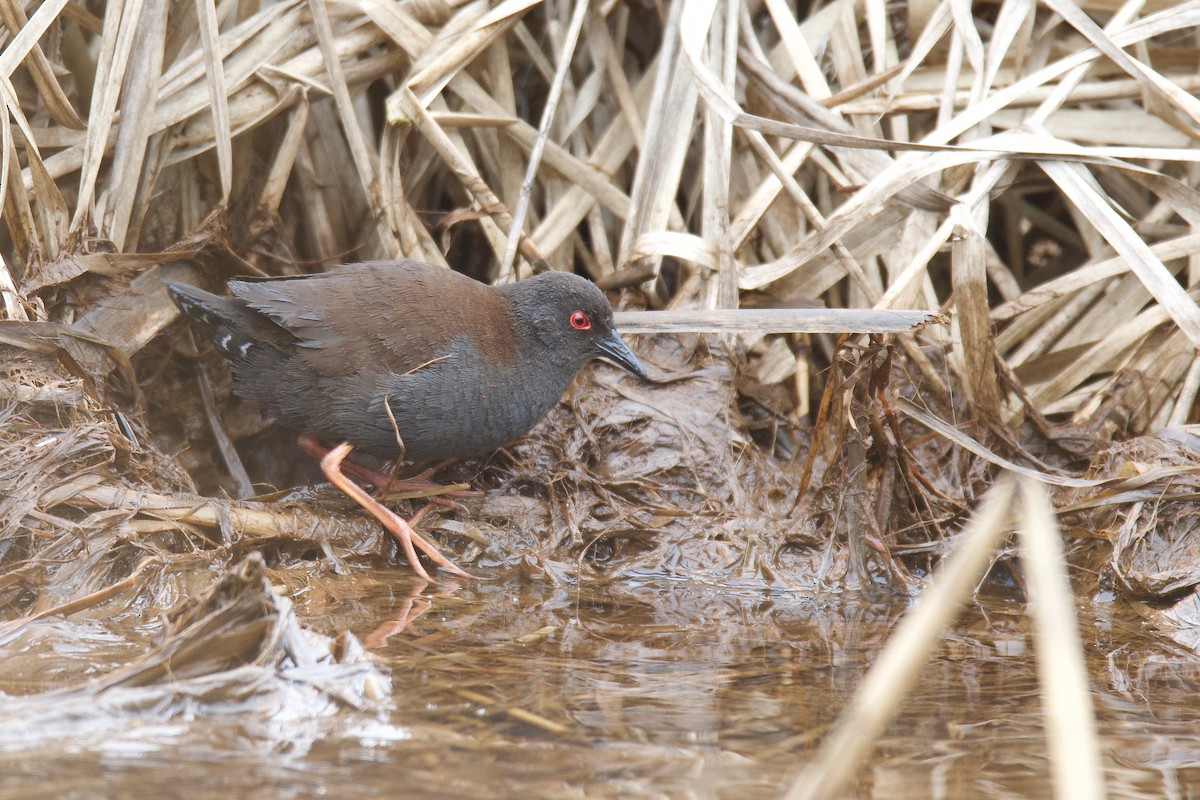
column 459, row 405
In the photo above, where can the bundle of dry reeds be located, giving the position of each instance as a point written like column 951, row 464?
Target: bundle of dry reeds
column 1020, row 165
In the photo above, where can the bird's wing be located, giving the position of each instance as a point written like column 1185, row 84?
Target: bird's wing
column 392, row 316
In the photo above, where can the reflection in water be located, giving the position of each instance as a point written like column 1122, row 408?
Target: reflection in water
column 412, row 607
column 532, row 690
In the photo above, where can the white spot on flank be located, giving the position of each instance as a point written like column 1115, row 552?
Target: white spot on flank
column 244, row 347
column 224, row 343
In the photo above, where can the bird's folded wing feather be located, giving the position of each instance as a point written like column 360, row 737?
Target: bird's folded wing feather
column 372, row 315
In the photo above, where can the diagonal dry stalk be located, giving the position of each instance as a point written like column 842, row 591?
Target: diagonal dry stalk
column 1071, row 728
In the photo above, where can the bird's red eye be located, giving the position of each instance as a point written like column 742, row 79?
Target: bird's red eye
column 580, row 321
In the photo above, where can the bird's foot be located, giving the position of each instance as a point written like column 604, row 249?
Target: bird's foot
column 418, row 486
column 403, row 530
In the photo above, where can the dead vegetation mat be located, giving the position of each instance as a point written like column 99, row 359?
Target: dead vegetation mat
column 685, row 477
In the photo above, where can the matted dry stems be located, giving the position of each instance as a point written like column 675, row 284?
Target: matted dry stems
column 709, row 148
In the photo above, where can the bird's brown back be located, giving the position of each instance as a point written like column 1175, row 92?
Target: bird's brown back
column 393, row 315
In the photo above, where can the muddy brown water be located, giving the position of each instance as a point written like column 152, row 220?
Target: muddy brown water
column 515, row 687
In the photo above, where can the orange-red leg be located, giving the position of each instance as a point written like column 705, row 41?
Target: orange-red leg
column 410, row 540
column 418, row 483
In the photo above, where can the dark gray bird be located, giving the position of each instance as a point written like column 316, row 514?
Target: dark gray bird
column 407, row 360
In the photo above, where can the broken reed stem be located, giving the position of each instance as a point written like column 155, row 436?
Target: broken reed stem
column 266, row 521
column 775, row 320
column 73, row 606
column 1070, row 720
column 910, row 646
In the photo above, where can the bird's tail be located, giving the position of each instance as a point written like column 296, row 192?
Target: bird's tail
column 225, row 321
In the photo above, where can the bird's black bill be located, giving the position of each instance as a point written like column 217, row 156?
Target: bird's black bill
column 616, row 351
